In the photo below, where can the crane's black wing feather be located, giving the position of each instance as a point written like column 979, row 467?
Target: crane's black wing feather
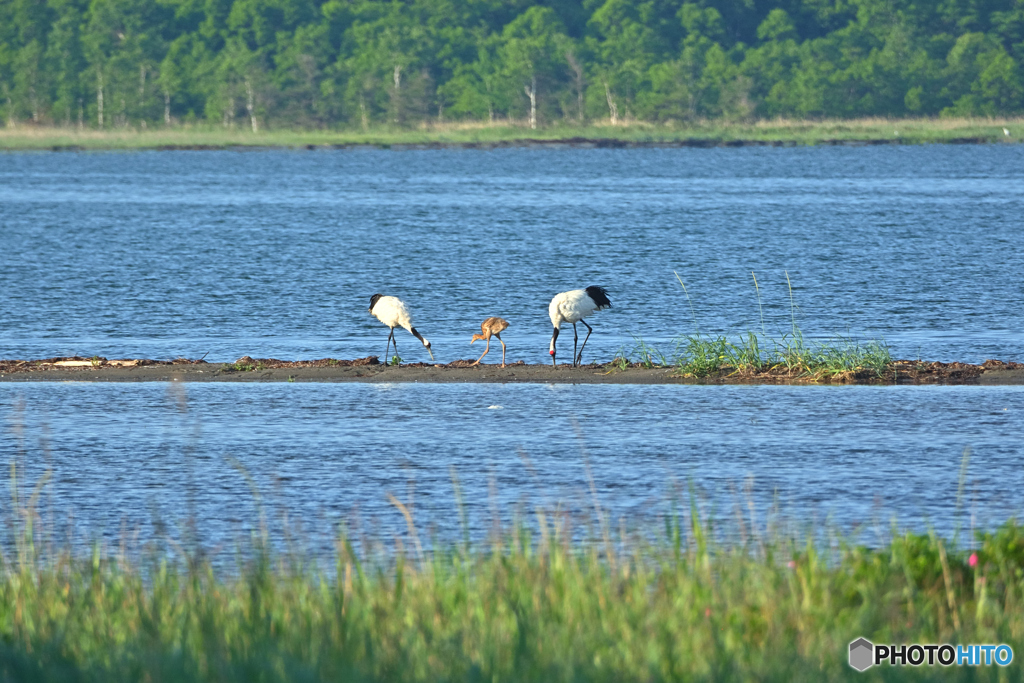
column 600, row 296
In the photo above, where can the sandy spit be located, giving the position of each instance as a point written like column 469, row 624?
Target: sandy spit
column 370, row 370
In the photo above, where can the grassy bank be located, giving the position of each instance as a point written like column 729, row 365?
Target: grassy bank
column 519, row 609
column 909, row 131
column 753, row 355
column 757, row 355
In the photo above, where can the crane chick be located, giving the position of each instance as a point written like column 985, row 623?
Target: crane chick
column 393, row 312
column 492, row 326
column 573, row 307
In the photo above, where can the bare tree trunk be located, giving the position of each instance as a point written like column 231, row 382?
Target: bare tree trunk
column 10, row 108
column 99, row 97
column 81, row 114
column 398, row 93
column 531, row 92
column 362, row 113
column 490, row 111
column 613, row 111
column 142, row 95
column 250, row 105
column 167, row 108
column 577, row 70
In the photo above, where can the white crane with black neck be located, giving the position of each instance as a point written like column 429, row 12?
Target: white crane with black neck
column 393, row 312
column 573, row 307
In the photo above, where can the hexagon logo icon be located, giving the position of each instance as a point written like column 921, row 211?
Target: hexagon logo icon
column 861, row 654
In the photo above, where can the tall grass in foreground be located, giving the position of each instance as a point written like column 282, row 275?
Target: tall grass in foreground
column 522, row 607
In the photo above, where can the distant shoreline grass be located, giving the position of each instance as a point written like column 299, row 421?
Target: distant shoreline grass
column 699, row 134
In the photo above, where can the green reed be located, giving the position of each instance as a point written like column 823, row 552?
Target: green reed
column 529, row 605
column 700, row 355
column 562, row 598
column 703, row 356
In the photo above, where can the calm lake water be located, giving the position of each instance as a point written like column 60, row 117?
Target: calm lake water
column 848, row 456
column 276, row 253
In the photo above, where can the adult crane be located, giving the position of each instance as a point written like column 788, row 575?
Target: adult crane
column 573, row 307
column 393, row 312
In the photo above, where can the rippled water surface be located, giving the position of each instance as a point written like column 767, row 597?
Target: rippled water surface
column 328, row 452
column 276, row 253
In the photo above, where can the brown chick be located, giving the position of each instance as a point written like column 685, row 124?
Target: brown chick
column 489, row 327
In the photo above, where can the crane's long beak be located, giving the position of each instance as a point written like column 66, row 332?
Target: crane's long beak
column 431, row 353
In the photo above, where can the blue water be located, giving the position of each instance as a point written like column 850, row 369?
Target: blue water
column 276, row 253
column 133, row 455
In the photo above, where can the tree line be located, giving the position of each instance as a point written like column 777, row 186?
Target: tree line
column 328, row 63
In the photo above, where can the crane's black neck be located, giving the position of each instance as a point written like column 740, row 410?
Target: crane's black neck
column 374, row 299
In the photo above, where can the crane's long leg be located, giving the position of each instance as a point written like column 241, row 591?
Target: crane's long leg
column 387, row 346
column 502, row 350
column 575, row 338
column 590, row 329
column 484, row 353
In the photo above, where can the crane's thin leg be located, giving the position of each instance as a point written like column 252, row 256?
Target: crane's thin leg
column 502, row 350
column 484, row 353
column 575, row 338
column 387, row 346
column 579, row 359
column 394, row 342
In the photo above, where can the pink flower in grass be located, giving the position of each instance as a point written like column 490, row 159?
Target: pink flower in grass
column 973, row 560
column 791, row 564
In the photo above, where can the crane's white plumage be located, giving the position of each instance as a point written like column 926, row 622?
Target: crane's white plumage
column 393, row 312
column 572, row 307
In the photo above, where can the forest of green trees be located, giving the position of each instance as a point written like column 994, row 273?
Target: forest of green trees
column 332, row 63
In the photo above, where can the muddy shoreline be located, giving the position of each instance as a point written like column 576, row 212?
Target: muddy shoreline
column 583, row 143
column 369, row 369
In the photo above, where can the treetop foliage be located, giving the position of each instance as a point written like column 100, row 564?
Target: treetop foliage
column 326, row 63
